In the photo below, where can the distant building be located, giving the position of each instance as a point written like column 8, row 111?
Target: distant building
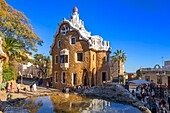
column 131, row 75
column 157, row 74
column 78, row 58
column 114, row 68
column 27, row 69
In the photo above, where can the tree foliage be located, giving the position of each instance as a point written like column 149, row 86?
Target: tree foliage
column 137, row 74
column 8, row 73
column 14, row 23
column 119, row 55
column 49, row 67
column 13, row 48
column 43, row 63
column 18, row 37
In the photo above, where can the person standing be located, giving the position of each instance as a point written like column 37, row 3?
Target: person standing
column 153, row 93
column 169, row 101
column 47, row 84
column 154, row 107
column 18, row 87
column 11, row 87
column 7, row 85
column 34, row 87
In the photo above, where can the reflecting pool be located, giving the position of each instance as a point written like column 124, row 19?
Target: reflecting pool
column 70, row 103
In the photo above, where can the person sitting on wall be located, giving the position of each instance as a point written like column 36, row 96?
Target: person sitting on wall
column 64, row 90
column 31, row 87
column 67, row 90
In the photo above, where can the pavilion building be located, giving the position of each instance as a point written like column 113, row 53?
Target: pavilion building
column 78, row 58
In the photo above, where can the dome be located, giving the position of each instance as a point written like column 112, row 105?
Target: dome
column 75, row 9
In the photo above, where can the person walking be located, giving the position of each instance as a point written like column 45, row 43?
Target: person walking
column 47, row 84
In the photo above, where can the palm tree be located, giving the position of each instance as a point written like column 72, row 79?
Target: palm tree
column 119, row 56
column 13, row 49
column 14, row 53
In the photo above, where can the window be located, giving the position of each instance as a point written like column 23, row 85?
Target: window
column 103, row 76
column 63, row 58
column 74, row 79
column 56, row 59
column 147, row 78
column 73, row 40
column 80, row 57
column 108, row 57
column 159, row 80
column 63, row 77
column 58, row 44
column 56, row 77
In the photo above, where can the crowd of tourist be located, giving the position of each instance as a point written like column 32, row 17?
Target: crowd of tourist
column 146, row 94
column 74, row 88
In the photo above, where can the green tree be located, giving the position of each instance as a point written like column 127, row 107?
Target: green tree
column 49, row 67
column 43, row 64
column 119, row 56
column 14, row 23
column 18, row 37
column 137, row 74
column 13, row 49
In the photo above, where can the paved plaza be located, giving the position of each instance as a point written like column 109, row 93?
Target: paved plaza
column 25, row 94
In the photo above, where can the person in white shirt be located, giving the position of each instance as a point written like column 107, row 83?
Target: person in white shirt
column 34, row 87
column 18, row 87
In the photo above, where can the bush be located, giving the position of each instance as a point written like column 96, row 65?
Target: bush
column 8, row 74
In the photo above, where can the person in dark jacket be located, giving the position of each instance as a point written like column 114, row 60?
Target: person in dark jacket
column 169, row 101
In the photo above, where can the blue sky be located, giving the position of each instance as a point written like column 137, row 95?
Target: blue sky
column 139, row 27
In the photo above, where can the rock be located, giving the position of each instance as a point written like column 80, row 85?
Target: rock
column 138, row 103
column 144, row 109
column 116, row 93
column 3, row 105
column 7, row 106
column 12, row 109
column 111, row 91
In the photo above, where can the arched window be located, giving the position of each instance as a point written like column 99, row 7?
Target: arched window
column 63, row 77
column 73, row 40
column 58, row 44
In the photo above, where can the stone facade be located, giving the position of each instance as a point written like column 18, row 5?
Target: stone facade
column 157, row 74
column 2, row 59
column 77, row 57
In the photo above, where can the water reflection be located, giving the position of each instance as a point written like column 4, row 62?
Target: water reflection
column 61, row 103
column 102, row 106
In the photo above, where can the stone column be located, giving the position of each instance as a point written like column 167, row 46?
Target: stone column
column 0, row 71
column 2, row 58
